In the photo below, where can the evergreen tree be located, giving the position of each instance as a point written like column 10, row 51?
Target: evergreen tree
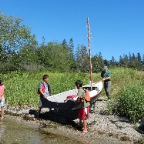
column 71, row 54
column 130, row 57
column 98, row 63
column 139, row 59
column 71, row 49
column 125, row 61
column 133, row 57
column 106, row 62
column 121, row 62
column 113, row 62
column 82, row 59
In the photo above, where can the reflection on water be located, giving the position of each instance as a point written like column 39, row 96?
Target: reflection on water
column 13, row 132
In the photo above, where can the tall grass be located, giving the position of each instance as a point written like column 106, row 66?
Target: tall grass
column 127, row 89
column 21, row 88
column 121, row 77
column 128, row 93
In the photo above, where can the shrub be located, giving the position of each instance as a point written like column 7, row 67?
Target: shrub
column 129, row 101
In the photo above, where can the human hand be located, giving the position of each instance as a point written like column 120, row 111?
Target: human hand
column 44, row 96
column 103, row 79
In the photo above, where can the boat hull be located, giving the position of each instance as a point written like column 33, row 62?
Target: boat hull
column 61, row 101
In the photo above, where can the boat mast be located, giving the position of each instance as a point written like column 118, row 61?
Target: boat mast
column 88, row 26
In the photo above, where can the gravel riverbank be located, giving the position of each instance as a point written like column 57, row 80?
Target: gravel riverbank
column 103, row 128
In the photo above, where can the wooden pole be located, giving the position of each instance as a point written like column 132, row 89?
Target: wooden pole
column 89, row 36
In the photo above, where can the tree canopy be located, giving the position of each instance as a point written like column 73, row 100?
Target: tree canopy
column 19, row 50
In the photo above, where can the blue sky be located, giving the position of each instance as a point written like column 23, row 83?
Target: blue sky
column 117, row 26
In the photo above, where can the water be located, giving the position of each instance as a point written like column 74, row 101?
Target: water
column 23, row 132
column 14, row 132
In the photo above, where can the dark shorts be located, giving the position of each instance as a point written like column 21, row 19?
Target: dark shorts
column 84, row 113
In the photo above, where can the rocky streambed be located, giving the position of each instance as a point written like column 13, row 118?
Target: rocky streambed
column 103, row 128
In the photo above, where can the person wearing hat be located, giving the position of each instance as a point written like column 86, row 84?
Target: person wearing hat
column 106, row 77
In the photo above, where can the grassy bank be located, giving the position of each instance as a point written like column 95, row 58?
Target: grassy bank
column 128, row 93
column 127, row 88
column 21, row 88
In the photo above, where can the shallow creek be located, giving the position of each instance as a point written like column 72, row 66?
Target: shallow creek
column 18, row 132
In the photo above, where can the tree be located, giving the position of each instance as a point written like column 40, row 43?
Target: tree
column 130, row 57
column 133, row 57
column 121, row 62
column 98, row 62
column 71, row 54
column 14, row 37
column 125, row 61
column 139, row 59
column 113, row 62
column 82, row 59
column 134, row 62
column 64, row 42
column 71, row 49
column 106, row 62
column 3, row 55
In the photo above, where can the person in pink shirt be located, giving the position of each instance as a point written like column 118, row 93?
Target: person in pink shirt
column 2, row 98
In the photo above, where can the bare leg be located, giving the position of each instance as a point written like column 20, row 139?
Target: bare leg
column 85, row 125
column 2, row 113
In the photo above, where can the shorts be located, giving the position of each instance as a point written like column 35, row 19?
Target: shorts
column 2, row 102
column 84, row 113
column 40, row 102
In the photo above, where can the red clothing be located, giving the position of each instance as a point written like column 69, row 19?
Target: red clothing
column 84, row 113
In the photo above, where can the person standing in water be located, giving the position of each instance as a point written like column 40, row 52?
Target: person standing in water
column 83, row 113
column 106, row 77
column 44, row 91
column 2, row 98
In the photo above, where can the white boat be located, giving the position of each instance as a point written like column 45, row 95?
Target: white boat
column 66, row 100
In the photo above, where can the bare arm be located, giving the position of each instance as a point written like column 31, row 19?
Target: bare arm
column 41, row 92
column 108, row 78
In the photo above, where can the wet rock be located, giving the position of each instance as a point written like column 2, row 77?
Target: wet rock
column 29, row 117
column 121, row 125
column 25, row 111
column 19, row 113
column 125, row 138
